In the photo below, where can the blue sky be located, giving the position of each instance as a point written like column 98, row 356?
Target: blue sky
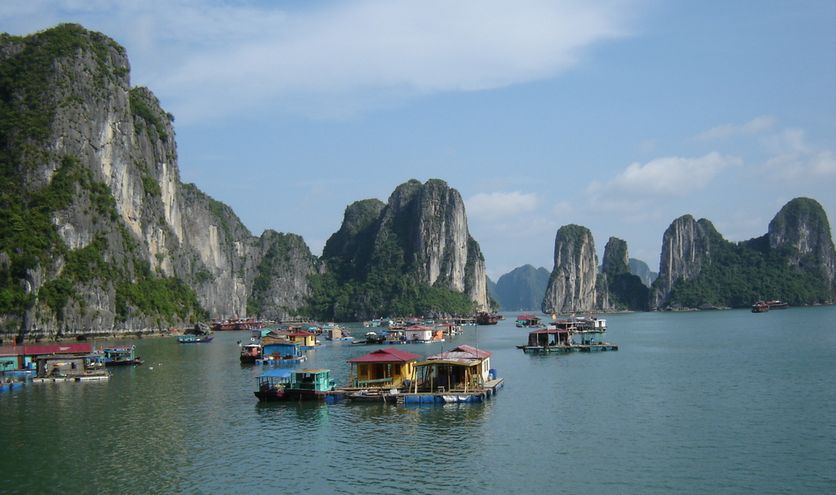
column 619, row 116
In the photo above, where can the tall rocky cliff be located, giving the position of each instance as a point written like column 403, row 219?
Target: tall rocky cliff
column 801, row 230
column 794, row 261
column 686, row 246
column 572, row 285
column 419, row 236
column 98, row 233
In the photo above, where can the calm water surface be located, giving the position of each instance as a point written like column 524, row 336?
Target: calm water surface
column 708, row 402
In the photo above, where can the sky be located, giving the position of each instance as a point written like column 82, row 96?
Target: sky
column 620, row 116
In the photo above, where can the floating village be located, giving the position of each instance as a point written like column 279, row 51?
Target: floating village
column 387, row 374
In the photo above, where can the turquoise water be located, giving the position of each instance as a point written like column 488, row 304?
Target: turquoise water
column 705, row 402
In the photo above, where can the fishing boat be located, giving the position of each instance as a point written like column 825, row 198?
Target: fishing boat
column 485, row 318
column 195, row 339
column 250, row 353
column 119, row 356
column 776, row 304
column 296, row 385
column 760, row 307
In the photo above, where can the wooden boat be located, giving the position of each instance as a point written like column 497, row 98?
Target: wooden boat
column 284, row 385
column 760, row 307
column 776, row 304
column 484, row 318
column 195, row 339
column 250, row 353
column 119, row 356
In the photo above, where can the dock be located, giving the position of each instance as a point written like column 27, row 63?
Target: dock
column 439, row 396
column 80, row 378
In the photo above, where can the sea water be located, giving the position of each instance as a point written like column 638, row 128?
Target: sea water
column 703, row 402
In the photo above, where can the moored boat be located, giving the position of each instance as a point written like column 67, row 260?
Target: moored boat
column 298, row 385
column 195, row 339
column 760, row 307
column 119, row 356
column 485, row 318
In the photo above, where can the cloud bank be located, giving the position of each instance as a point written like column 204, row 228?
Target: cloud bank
column 665, row 177
column 209, row 59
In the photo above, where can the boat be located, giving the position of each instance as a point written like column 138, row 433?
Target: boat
column 195, row 339
column 277, row 350
column 776, row 304
column 760, row 307
column 119, row 356
column 199, row 334
column 296, row 385
column 250, row 353
column 485, row 318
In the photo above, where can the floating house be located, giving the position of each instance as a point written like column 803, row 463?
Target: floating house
column 17, row 357
column 463, row 374
column 305, row 339
column 576, row 334
column 278, row 350
column 383, row 368
column 421, row 334
column 68, row 368
column 527, row 320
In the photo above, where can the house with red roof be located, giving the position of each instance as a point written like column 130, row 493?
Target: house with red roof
column 384, row 368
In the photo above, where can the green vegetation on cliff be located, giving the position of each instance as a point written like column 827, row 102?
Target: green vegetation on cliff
column 768, row 267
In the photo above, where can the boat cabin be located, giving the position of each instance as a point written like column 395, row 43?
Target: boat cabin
column 279, row 348
column 306, row 339
column 549, row 337
column 421, row 333
column 383, row 368
column 313, row 380
column 460, row 369
column 527, row 320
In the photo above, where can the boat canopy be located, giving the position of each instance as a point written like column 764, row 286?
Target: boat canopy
column 278, row 372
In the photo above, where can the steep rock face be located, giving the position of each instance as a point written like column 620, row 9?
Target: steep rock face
column 430, row 222
column 801, row 230
column 522, row 288
column 618, row 288
column 615, row 257
column 572, row 283
column 640, row 269
column 391, row 257
column 686, row 247
column 286, row 263
column 115, row 241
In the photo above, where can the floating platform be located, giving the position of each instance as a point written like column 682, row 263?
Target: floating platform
column 84, row 378
column 565, row 349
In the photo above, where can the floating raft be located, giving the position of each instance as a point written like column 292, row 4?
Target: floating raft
column 539, row 349
column 440, row 396
column 83, row 378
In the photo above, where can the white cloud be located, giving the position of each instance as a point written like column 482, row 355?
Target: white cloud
column 206, row 59
column 501, row 204
column 755, row 126
column 794, row 159
column 665, row 177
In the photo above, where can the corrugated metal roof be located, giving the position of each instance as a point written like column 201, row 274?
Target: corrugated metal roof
column 33, row 350
column 388, row 355
column 462, row 352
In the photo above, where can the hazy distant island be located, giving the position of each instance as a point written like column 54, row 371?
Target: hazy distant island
column 99, row 235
